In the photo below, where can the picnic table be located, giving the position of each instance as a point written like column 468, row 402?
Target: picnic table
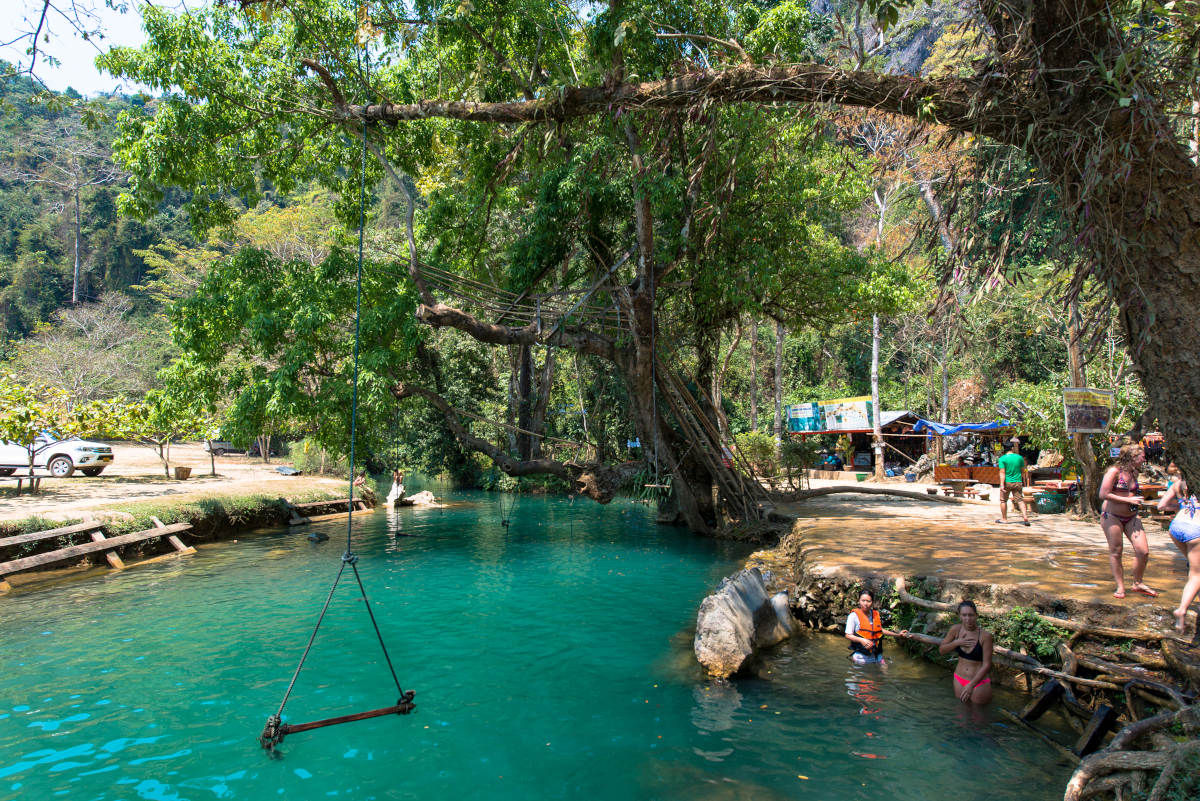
column 956, row 486
column 34, row 482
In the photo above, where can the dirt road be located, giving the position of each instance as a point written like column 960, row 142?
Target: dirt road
column 136, row 474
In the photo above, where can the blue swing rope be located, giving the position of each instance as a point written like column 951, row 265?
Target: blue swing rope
column 275, row 729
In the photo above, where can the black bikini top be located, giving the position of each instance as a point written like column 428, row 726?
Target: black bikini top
column 974, row 655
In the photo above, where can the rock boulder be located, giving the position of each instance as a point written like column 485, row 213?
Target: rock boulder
column 737, row 619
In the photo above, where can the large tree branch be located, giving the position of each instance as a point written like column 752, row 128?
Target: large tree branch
column 951, row 101
column 439, row 315
column 596, row 481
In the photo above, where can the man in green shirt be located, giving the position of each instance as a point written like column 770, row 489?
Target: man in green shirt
column 1013, row 466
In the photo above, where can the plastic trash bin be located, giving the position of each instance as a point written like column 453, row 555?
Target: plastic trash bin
column 1050, row 503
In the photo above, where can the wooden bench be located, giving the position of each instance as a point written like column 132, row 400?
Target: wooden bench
column 99, row 544
column 36, row 536
column 301, row 519
column 34, row 482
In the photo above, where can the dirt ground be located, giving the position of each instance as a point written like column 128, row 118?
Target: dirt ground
column 1056, row 555
column 136, row 474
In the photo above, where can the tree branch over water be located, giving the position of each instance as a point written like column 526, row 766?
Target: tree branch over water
column 951, row 101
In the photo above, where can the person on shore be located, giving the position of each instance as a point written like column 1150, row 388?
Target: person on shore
column 1185, row 533
column 1173, row 474
column 1119, row 519
column 972, row 684
column 396, row 493
column 1012, row 465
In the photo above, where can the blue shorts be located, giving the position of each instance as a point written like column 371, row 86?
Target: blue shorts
column 863, row 659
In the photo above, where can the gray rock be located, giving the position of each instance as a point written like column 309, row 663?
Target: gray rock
column 737, row 619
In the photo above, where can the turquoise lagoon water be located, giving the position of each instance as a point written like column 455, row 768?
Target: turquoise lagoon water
column 551, row 659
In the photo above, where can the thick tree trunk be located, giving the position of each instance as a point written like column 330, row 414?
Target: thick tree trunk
column 1090, row 473
column 514, row 398
column 1159, row 291
column 537, row 423
column 1121, row 176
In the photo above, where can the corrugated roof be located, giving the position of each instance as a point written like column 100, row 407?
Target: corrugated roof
column 887, row 418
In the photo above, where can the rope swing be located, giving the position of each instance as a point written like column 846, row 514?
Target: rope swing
column 275, row 729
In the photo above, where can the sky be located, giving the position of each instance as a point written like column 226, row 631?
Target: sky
column 77, row 69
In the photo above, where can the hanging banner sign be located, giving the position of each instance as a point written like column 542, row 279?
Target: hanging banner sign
column 1087, row 411
column 804, row 417
column 847, row 414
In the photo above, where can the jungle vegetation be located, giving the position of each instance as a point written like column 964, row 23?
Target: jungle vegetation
column 741, row 223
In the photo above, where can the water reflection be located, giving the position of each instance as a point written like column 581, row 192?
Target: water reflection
column 717, row 704
column 550, row 661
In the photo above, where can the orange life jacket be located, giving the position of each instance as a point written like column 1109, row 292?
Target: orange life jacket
column 869, row 629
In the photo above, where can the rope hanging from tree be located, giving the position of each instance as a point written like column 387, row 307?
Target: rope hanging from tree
column 275, row 729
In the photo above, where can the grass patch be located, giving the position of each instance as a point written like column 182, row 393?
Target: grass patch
column 213, row 513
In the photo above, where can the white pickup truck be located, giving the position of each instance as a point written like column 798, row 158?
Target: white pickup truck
column 61, row 457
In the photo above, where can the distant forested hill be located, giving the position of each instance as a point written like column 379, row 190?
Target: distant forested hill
column 54, row 155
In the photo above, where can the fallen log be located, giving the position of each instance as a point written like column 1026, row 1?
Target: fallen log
column 1019, row 661
column 1062, row 623
column 804, row 495
column 1057, row 746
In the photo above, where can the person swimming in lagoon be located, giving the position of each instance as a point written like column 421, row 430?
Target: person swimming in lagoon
column 974, row 648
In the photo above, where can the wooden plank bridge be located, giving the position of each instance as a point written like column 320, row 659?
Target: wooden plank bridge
column 99, row 544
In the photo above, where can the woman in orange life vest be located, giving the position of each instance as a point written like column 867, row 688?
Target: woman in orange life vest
column 864, row 630
column 974, row 648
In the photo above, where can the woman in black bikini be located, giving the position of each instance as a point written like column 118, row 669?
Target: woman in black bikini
column 974, row 648
column 1120, row 493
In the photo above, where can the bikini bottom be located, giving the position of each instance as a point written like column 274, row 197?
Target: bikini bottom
column 1123, row 518
column 964, row 682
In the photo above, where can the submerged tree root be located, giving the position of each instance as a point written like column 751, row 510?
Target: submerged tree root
column 1122, row 767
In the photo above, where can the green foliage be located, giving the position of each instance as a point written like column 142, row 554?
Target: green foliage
column 799, row 454
column 783, row 31
column 1184, row 786
column 1021, row 627
column 647, row 486
column 758, row 449
column 27, row 410
column 309, row 457
column 209, row 515
column 273, row 337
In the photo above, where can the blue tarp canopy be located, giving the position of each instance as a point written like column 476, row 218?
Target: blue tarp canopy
column 946, row 429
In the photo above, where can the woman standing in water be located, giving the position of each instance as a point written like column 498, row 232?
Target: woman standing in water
column 1185, row 533
column 974, row 648
column 1120, row 493
column 864, row 630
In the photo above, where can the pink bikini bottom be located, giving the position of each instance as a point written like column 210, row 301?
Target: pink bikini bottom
column 964, row 682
